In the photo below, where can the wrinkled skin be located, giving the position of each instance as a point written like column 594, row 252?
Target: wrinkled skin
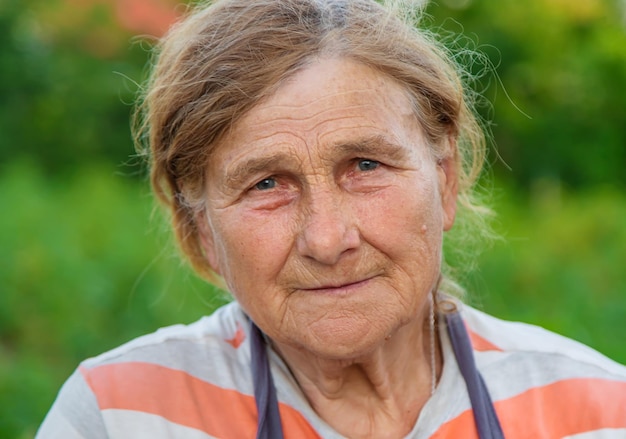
column 325, row 211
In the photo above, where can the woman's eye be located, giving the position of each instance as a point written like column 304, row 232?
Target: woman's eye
column 367, row 165
column 265, row 184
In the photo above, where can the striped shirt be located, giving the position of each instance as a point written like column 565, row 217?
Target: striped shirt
column 194, row 382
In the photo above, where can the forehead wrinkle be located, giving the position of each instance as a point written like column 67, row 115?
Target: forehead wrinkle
column 316, row 125
column 335, row 94
column 292, row 114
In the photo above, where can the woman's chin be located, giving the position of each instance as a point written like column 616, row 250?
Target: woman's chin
column 342, row 340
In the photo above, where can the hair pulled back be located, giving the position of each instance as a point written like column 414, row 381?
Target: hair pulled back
column 225, row 57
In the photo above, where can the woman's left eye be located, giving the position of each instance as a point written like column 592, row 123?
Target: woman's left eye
column 265, row 184
column 367, row 164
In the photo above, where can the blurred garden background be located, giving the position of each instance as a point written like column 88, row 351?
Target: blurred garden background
column 86, row 264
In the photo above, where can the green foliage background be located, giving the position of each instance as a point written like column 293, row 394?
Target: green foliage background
column 86, row 264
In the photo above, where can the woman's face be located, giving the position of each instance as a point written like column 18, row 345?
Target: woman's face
column 325, row 211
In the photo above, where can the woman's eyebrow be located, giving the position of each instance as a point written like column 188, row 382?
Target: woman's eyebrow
column 373, row 146
column 251, row 165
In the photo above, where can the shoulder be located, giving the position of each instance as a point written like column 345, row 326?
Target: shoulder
column 179, row 345
column 162, row 382
column 547, row 377
column 210, row 352
column 491, row 334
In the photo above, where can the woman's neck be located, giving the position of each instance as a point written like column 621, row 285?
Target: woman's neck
column 377, row 395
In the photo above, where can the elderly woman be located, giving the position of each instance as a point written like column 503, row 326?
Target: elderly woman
column 312, row 154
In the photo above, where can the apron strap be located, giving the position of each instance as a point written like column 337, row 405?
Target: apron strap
column 485, row 417
column 269, row 426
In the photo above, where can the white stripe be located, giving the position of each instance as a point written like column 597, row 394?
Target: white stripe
column 510, row 374
column 199, row 350
column 525, row 338
column 124, row 424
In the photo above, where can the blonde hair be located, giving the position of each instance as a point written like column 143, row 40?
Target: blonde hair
column 225, row 57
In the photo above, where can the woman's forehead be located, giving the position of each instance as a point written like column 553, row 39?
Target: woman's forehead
column 328, row 100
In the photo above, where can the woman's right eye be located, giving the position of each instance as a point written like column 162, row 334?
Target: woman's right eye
column 367, row 164
column 265, row 184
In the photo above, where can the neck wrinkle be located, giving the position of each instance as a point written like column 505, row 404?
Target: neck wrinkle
column 384, row 390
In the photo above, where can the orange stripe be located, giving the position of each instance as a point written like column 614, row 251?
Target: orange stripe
column 186, row 400
column 560, row 409
column 479, row 343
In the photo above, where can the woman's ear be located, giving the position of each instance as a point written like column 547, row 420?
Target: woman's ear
column 207, row 240
column 449, row 182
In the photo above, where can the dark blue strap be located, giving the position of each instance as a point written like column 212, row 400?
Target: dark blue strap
column 485, row 417
column 269, row 426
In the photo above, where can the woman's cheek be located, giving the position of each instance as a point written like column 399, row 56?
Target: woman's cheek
column 269, row 200
column 368, row 181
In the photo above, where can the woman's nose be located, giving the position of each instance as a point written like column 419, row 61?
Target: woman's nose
column 328, row 231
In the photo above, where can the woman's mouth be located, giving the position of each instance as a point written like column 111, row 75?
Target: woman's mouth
column 343, row 287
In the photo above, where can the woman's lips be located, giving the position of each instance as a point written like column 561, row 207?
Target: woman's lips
column 336, row 288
